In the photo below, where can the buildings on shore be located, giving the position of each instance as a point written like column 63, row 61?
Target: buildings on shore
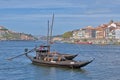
column 111, row 31
column 102, row 34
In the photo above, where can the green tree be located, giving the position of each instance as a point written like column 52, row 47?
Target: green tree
column 67, row 35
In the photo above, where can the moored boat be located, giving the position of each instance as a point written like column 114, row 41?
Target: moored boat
column 57, row 61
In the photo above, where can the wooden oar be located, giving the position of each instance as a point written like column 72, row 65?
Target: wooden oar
column 21, row 54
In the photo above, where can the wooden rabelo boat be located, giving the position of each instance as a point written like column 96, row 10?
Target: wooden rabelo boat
column 45, row 58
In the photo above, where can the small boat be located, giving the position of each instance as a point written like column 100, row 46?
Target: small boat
column 48, row 59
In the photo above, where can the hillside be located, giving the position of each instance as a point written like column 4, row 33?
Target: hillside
column 6, row 34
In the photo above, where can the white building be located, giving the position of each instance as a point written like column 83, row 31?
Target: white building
column 117, row 33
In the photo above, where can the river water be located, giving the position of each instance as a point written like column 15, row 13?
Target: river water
column 106, row 65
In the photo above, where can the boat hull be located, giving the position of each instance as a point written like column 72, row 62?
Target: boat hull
column 67, row 64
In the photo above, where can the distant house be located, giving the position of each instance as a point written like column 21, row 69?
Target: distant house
column 84, row 33
column 117, row 33
column 100, row 31
column 90, row 32
column 81, row 33
column 76, row 34
column 111, row 31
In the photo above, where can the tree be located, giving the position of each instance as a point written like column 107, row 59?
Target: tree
column 67, row 35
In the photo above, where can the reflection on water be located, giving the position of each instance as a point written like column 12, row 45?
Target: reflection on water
column 56, row 73
column 106, row 65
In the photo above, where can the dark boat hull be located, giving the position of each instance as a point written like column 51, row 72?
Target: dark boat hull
column 67, row 64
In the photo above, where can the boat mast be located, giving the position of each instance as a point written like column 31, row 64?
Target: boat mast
column 49, row 33
column 51, row 28
column 48, row 37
